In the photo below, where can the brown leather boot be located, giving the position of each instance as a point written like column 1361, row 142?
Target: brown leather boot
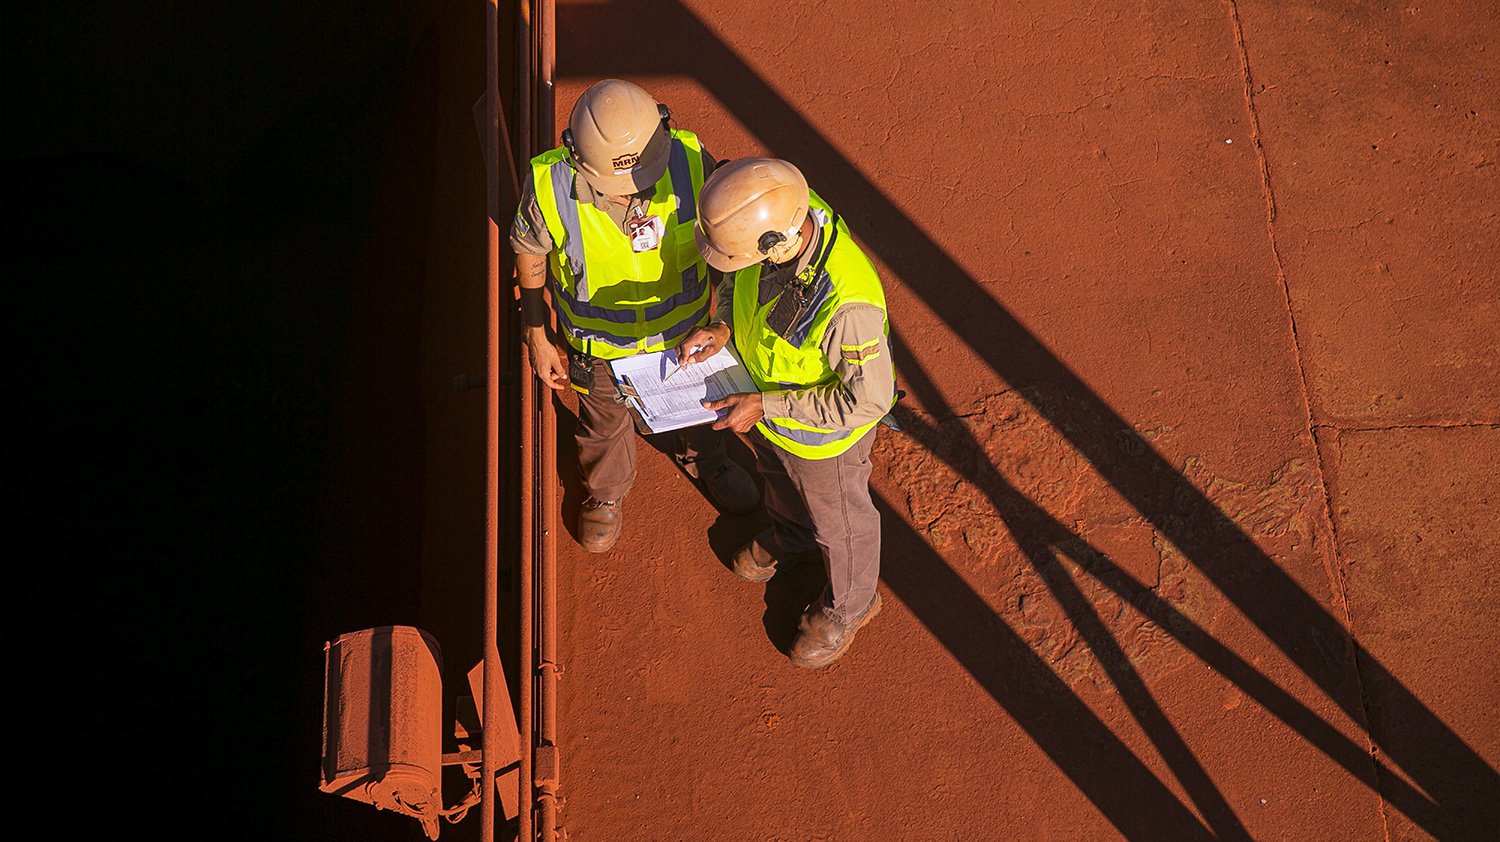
column 760, row 559
column 821, row 640
column 599, row 524
column 726, row 485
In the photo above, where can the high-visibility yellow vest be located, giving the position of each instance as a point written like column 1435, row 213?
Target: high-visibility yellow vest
column 838, row 274
column 613, row 301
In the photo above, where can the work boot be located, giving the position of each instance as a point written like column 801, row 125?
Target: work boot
column 599, row 524
column 821, row 640
column 761, row 559
column 726, row 485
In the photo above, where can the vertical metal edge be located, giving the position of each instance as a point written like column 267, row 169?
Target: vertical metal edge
column 542, row 139
column 492, row 667
column 527, row 668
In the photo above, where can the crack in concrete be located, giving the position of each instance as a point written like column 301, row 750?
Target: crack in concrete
column 1337, row 581
column 1434, row 425
column 1170, row 77
column 1341, row 229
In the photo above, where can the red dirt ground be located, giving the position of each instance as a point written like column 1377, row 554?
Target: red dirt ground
column 1191, row 532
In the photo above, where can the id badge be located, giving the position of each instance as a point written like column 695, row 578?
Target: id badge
column 646, row 232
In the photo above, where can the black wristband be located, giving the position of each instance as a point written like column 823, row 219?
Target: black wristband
column 533, row 307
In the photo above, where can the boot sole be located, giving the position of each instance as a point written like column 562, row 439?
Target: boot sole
column 757, row 578
column 839, row 652
column 770, row 572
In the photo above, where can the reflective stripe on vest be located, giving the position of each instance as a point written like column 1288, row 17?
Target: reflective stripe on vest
column 612, row 301
column 786, row 428
column 840, row 274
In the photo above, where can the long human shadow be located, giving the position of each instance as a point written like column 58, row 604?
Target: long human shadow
column 1456, row 792
column 1042, row 537
column 1083, row 747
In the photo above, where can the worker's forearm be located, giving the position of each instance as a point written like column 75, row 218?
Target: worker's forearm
column 724, row 301
column 531, row 270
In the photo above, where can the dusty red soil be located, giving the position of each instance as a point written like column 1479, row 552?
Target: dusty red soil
column 1188, row 536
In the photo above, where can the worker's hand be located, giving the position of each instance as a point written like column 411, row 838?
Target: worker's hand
column 744, row 410
column 545, row 360
column 708, row 340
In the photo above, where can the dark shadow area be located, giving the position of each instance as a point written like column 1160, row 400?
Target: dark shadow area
column 571, row 501
column 730, row 532
column 220, row 314
column 1460, row 788
column 665, row 445
column 787, row 595
column 734, row 448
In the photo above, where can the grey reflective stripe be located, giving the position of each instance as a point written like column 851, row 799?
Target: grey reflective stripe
column 687, row 209
column 811, row 438
column 682, row 183
column 567, row 212
column 592, row 334
column 822, row 283
column 692, row 289
column 672, row 333
column 615, row 340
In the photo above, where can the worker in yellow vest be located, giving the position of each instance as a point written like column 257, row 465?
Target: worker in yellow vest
column 807, row 316
column 608, row 217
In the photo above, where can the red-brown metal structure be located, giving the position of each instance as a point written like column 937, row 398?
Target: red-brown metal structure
column 547, row 668
column 492, row 412
column 537, row 468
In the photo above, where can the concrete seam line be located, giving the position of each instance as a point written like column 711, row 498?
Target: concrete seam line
column 1336, row 581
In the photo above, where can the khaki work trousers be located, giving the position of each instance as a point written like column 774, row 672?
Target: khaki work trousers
column 825, row 504
column 606, row 440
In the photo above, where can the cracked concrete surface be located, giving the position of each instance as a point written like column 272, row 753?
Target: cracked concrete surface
column 1367, row 345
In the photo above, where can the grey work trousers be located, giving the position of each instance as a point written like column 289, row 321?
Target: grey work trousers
column 825, row 503
column 606, row 440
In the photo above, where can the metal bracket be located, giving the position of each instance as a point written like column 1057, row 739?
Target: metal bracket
column 544, row 768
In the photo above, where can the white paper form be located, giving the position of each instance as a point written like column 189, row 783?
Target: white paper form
column 677, row 403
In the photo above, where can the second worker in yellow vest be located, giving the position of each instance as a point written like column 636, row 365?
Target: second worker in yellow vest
column 608, row 219
column 807, row 317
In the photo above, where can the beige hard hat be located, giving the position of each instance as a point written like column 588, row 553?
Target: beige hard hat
column 748, row 207
column 618, row 138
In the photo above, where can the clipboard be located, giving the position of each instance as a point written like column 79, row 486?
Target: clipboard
column 661, row 405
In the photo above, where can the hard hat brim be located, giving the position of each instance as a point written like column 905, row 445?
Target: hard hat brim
column 718, row 259
column 628, row 184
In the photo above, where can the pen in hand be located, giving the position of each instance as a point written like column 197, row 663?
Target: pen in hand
column 683, row 362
